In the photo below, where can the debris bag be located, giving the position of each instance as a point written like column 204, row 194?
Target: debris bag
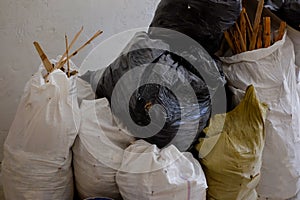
column 151, row 173
column 231, row 153
column 290, row 12
column 273, row 5
column 160, row 96
column 204, row 21
column 37, row 151
column 287, row 10
column 272, row 72
column 98, row 150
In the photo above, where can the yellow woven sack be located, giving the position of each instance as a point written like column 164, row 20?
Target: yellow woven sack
column 231, row 154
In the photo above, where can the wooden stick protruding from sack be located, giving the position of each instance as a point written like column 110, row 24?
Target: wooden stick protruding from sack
column 229, row 41
column 249, row 25
column 243, row 26
column 235, row 36
column 65, row 57
column 67, row 51
column 259, row 10
column 84, row 45
column 47, row 64
column 259, row 38
column 240, row 35
column 281, row 31
column 267, row 31
column 59, row 63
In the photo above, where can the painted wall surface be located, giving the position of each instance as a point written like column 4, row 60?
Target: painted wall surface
column 45, row 21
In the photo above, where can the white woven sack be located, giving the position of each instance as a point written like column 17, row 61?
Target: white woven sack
column 37, row 155
column 149, row 173
column 272, row 72
column 98, row 150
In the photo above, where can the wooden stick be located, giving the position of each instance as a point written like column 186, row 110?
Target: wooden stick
column 47, row 64
column 229, row 41
column 259, row 39
column 249, row 25
column 67, row 50
column 72, row 73
column 256, row 24
column 59, row 64
column 84, row 45
column 242, row 42
column 236, row 42
column 267, row 32
column 281, row 31
column 243, row 26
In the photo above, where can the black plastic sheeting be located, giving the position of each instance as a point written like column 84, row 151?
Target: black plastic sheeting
column 184, row 118
column 273, row 5
column 287, row 10
column 290, row 11
column 203, row 20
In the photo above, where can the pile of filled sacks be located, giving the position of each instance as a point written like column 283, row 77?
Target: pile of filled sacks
column 149, row 125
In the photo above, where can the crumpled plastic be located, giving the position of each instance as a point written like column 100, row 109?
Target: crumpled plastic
column 204, row 21
column 287, row 10
column 274, row 5
column 163, row 72
column 291, row 13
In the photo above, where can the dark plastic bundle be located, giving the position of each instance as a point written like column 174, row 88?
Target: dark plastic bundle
column 164, row 79
column 287, row 10
column 273, row 5
column 203, row 20
column 290, row 12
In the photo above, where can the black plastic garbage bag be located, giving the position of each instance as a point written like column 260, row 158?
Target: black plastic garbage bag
column 290, row 12
column 287, row 10
column 273, row 5
column 203, row 20
column 147, row 74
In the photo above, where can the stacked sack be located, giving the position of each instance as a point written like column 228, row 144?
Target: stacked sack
column 170, row 61
column 37, row 151
column 98, row 151
column 272, row 71
column 151, row 173
column 203, row 21
column 103, row 165
column 231, row 152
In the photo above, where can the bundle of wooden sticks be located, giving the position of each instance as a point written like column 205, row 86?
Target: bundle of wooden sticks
column 66, row 56
column 246, row 37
